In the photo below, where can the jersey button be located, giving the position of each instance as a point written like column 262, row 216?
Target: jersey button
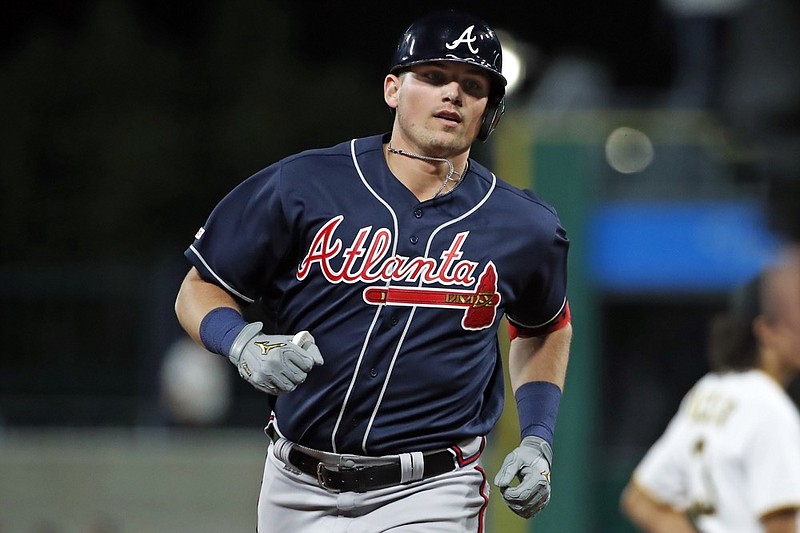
column 373, row 373
column 393, row 321
column 418, row 213
column 414, row 239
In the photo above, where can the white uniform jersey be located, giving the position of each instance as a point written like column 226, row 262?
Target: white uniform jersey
column 730, row 455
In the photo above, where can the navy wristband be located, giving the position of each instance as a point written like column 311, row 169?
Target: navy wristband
column 219, row 329
column 537, row 408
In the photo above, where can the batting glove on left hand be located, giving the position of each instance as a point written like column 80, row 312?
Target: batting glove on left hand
column 274, row 363
column 530, row 462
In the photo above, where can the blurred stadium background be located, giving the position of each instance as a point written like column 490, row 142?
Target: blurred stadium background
column 653, row 125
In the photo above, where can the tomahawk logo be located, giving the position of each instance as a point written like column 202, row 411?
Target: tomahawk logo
column 479, row 305
column 466, row 37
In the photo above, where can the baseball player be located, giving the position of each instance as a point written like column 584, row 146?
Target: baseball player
column 730, row 458
column 388, row 262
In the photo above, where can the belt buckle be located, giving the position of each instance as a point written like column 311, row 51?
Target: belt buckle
column 321, row 467
column 345, row 464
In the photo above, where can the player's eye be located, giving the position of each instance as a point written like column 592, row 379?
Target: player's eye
column 434, row 76
column 474, row 84
column 471, row 85
column 477, row 87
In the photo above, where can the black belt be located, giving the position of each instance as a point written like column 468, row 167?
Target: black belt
column 363, row 478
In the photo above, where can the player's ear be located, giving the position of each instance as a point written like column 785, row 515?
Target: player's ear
column 391, row 84
column 764, row 332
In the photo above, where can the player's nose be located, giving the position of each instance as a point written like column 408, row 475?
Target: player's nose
column 452, row 92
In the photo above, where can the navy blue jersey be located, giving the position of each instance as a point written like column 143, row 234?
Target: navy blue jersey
column 403, row 297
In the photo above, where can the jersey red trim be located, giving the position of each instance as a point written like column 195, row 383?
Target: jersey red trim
column 563, row 318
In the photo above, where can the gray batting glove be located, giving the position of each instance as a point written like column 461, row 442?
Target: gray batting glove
column 274, row 363
column 530, row 462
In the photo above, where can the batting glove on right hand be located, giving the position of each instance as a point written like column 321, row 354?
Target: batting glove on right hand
column 274, row 363
column 530, row 462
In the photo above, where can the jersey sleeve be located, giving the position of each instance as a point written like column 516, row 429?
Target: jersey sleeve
column 542, row 305
column 773, row 463
column 245, row 237
column 662, row 472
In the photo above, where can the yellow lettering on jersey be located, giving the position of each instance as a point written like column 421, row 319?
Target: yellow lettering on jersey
column 710, row 407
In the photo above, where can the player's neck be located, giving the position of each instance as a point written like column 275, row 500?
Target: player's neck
column 776, row 367
column 425, row 176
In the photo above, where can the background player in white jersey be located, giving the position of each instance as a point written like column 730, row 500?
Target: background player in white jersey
column 395, row 257
column 730, row 458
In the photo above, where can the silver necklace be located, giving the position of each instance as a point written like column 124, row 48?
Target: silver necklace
column 447, row 179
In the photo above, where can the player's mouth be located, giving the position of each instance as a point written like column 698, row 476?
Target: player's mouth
column 450, row 117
